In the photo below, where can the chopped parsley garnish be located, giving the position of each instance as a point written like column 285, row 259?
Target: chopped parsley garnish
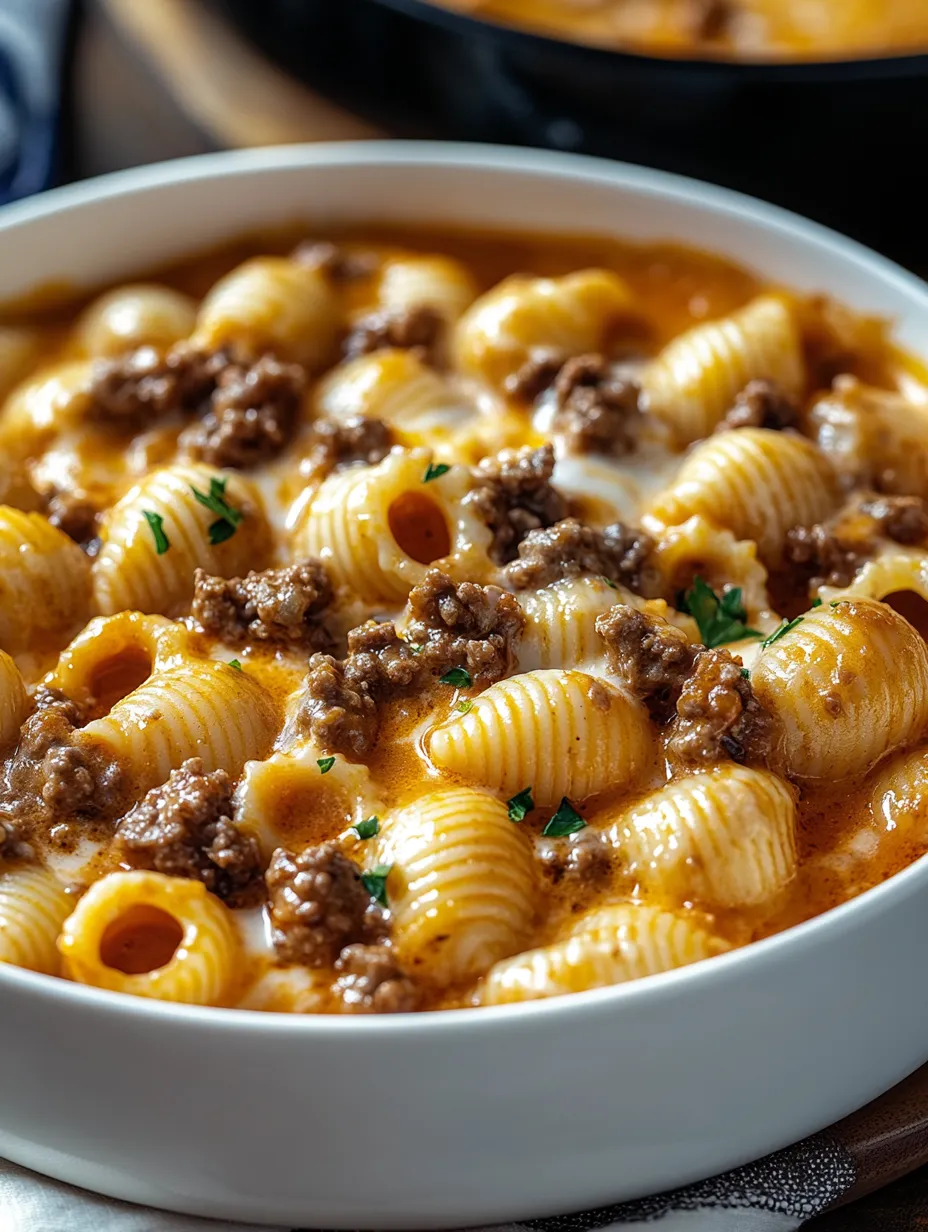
column 784, row 628
column 375, row 882
column 745, row 673
column 435, row 471
column 325, row 764
column 816, row 603
column 838, row 602
column 156, row 525
column 416, row 647
column 465, row 705
column 720, row 617
column 367, row 828
column 458, row 677
column 235, row 663
column 609, row 582
column 227, row 516
column 521, row 805
column 565, row 821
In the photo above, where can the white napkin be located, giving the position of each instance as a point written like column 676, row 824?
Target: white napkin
column 777, row 1194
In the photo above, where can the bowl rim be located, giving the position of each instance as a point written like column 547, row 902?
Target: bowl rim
column 440, row 156
column 878, row 66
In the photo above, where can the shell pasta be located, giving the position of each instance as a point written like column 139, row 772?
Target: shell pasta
column 397, row 623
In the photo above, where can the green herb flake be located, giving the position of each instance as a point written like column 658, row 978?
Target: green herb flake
column 416, row 647
column 235, row 663
column 720, row 617
column 837, row 602
column 367, row 828
column 609, row 582
column 325, row 764
column 521, row 805
column 745, row 673
column 565, row 821
column 435, row 471
column 465, row 705
column 375, row 882
column 458, row 678
column 228, row 517
column 816, row 603
column 786, row 627
column 156, row 525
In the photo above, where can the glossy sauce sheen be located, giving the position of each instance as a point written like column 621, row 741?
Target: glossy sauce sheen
column 844, row 846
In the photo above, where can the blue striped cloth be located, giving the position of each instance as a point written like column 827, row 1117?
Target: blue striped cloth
column 32, row 39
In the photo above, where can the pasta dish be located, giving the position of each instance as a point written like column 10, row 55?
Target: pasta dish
column 787, row 29
column 401, row 621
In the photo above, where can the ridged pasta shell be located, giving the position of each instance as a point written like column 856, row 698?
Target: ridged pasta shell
column 848, row 685
column 44, row 582
column 572, row 314
column 128, row 572
column 201, row 708
column 725, row 838
column 755, row 482
column 696, row 378
column 612, row 946
column 271, row 304
column 14, row 704
column 202, row 967
column 33, row 907
column 135, row 315
column 436, row 282
column 463, row 888
column 899, row 796
column 562, row 732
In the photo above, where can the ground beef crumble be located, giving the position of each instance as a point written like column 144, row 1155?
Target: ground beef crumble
column 371, row 982
column 52, row 779
column 514, row 496
column 464, row 625
column 252, row 414
column 129, row 392
column 584, row 857
column 286, row 605
column 341, row 266
column 718, row 714
column 75, row 517
column 832, row 553
column 570, row 549
column 184, row 828
column 536, row 375
column 337, row 443
column 337, row 711
column 318, row 905
column 420, row 329
column 652, row 656
column 596, row 411
column 762, row 404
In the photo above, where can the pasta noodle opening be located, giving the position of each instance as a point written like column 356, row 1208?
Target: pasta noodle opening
column 141, row 940
column 912, row 607
column 419, row 527
column 117, row 676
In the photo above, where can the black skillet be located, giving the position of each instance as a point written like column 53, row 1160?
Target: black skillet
column 845, row 142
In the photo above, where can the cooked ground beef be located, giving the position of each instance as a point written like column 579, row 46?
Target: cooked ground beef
column 419, row 329
column 50, row 778
column 278, row 605
column 514, row 496
column 718, row 714
column 596, row 411
column 371, row 982
column 762, row 404
column 584, row 857
column 318, row 905
column 185, row 829
column 334, row 444
column 337, row 710
column 12, row 844
column 129, row 392
column 570, row 549
column 652, row 656
column 903, row 519
column 76, row 517
column 335, row 263
column 464, row 625
column 252, row 415
column 380, row 660
column 824, row 555
column 708, row 20
column 536, row 375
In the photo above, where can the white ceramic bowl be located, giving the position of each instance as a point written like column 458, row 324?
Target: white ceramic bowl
column 466, row 1117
